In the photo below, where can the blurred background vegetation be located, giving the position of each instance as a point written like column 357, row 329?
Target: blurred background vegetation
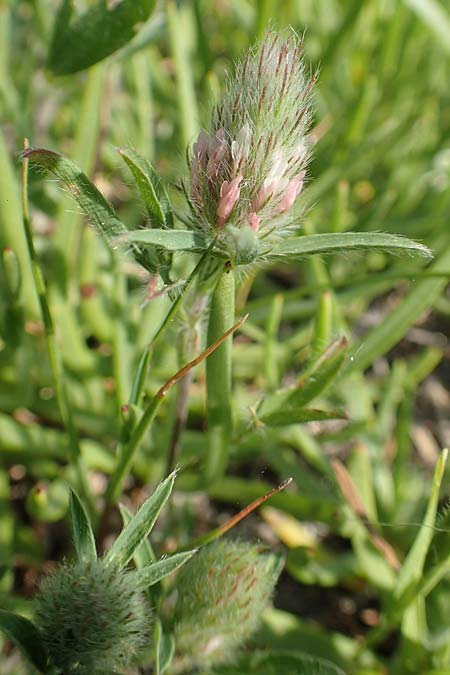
column 381, row 162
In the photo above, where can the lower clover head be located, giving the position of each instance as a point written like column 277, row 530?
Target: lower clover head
column 92, row 618
column 221, row 593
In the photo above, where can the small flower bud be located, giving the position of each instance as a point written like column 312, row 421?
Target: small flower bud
column 92, row 618
column 221, row 595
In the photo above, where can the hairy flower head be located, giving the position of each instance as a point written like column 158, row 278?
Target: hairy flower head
column 92, row 618
column 247, row 170
column 221, row 595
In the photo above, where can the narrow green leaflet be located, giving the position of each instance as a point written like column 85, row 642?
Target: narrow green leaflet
column 79, row 41
column 99, row 212
column 153, row 573
column 348, row 241
column 141, row 524
column 143, row 555
column 172, row 240
column 164, row 649
column 83, row 537
column 95, row 207
column 24, row 634
column 152, row 190
column 294, row 415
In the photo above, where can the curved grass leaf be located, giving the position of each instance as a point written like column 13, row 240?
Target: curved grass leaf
column 79, row 41
column 151, row 574
column 347, row 242
column 151, row 188
column 99, row 212
column 141, row 524
column 24, row 634
column 172, row 240
column 95, row 207
column 294, row 415
column 83, row 537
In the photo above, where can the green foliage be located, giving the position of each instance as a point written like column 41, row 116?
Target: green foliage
column 344, row 354
column 152, row 190
column 80, row 41
column 26, row 637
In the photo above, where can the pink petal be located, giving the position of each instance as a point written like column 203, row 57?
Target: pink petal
column 292, row 192
column 229, row 194
column 254, row 221
column 217, row 151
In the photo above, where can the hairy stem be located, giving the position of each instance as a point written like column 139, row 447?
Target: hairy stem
column 218, row 377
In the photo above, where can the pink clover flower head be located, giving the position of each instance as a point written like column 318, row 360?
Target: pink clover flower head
column 248, row 169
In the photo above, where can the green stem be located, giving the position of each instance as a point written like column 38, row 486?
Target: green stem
column 218, row 377
column 126, row 450
column 53, row 353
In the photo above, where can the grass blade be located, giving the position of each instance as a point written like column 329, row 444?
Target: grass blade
column 294, row 415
